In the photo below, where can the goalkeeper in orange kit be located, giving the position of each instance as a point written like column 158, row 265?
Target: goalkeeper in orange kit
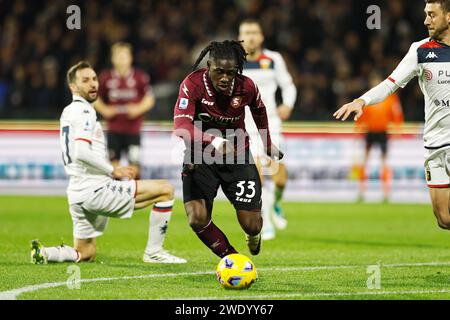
column 374, row 124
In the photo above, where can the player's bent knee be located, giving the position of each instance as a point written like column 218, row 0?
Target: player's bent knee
column 441, row 225
column 253, row 228
column 170, row 190
column 281, row 183
column 87, row 254
column 442, row 218
column 167, row 191
column 444, row 223
column 279, row 180
column 88, row 258
column 196, row 217
column 253, row 225
column 86, row 248
column 198, row 221
column 197, row 214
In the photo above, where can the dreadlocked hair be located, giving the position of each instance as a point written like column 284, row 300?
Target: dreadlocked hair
column 228, row 49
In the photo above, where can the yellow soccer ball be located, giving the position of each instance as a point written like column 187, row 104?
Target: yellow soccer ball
column 236, row 271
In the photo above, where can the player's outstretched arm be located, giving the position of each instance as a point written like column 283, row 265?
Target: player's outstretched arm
column 356, row 106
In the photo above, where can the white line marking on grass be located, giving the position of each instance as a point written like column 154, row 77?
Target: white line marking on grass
column 13, row 294
column 318, row 294
column 414, row 264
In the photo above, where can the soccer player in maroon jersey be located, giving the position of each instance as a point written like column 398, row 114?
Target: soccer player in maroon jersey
column 209, row 117
column 124, row 97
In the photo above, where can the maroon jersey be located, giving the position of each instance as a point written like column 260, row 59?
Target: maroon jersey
column 199, row 108
column 119, row 91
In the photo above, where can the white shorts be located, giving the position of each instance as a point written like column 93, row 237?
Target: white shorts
column 114, row 199
column 437, row 168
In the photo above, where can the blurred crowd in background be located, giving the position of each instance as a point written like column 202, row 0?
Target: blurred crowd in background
column 327, row 46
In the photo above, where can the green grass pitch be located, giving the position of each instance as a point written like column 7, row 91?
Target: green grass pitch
column 323, row 254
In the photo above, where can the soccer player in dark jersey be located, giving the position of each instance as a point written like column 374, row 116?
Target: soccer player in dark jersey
column 209, row 117
column 124, row 97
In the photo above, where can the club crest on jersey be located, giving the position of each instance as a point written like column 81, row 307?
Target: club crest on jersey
column 265, row 63
column 236, row 102
column 183, row 103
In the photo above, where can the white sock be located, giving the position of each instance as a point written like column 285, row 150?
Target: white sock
column 159, row 220
column 61, row 254
column 268, row 199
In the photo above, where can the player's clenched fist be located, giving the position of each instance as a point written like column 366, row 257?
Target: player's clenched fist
column 355, row 106
column 124, row 172
column 223, row 145
column 274, row 153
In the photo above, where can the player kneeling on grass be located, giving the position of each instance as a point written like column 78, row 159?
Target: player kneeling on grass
column 96, row 190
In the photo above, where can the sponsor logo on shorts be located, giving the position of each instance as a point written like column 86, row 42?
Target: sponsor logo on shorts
column 243, row 200
column 428, row 174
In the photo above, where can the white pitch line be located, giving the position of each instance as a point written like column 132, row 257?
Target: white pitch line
column 13, row 294
column 318, row 294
